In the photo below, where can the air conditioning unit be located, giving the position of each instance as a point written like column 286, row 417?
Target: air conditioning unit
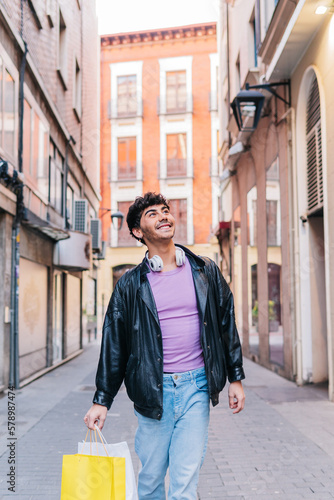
column 96, row 232
column 101, row 255
column 80, row 215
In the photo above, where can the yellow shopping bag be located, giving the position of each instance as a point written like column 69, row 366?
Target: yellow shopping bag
column 88, row 477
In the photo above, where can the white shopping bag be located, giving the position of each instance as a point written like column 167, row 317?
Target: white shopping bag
column 104, row 449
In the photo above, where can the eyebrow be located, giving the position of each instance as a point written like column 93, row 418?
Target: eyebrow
column 155, row 210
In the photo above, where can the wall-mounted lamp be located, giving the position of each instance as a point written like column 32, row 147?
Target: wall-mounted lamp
column 116, row 216
column 321, row 10
column 324, row 7
column 247, row 104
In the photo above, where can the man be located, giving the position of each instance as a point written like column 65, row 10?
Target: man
column 170, row 334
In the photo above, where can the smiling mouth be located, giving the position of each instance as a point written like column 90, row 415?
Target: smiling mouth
column 164, row 226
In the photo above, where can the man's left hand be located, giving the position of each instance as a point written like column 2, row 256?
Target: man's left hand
column 236, row 396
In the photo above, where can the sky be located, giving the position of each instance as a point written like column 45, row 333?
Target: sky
column 119, row 16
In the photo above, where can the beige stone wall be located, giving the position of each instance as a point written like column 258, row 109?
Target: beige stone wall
column 320, row 273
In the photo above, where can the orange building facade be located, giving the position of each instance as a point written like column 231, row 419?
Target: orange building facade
column 159, row 132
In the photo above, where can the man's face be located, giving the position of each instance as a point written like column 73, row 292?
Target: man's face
column 156, row 224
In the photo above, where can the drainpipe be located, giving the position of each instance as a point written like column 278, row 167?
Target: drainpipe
column 14, row 377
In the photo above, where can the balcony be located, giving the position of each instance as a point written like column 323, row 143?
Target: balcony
column 277, row 26
column 125, row 171
column 175, row 168
column 129, row 109
column 175, row 106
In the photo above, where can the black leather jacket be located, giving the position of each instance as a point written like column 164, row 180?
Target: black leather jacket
column 131, row 348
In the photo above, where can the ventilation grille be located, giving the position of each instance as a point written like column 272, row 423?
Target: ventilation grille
column 80, row 215
column 315, row 195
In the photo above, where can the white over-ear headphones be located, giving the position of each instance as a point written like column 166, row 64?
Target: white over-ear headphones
column 156, row 263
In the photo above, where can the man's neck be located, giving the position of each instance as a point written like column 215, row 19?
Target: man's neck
column 167, row 254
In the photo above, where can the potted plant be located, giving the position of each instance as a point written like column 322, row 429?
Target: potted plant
column 273, row 322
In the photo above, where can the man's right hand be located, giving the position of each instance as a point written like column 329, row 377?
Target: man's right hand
column 96, row 415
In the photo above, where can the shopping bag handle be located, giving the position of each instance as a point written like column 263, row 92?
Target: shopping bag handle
column 102, row 438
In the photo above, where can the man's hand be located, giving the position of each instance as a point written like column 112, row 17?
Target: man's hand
column 96, row 415
column 236, row 396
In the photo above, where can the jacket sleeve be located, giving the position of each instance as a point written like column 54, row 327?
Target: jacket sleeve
column 113, row 357
column 230, row 336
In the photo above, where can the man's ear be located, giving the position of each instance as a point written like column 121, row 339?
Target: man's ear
column 137, row 232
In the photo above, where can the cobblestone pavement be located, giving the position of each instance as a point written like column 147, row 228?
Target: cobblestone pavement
column 280, row 447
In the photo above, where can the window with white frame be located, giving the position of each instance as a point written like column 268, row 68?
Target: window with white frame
column 127, row 158
column 176, row 92
column 176, row 155
column 123, row 235
column 56, row 178
column 8, row 110
column 252, row 48
column 35, row 154
column 69, row 206
column 127, row 95
column 77, row 89
column 175, row 85
column 178, row 209
column 36, row 12
column 62, row 49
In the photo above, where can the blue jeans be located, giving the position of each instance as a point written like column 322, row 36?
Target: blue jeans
column 177, row 441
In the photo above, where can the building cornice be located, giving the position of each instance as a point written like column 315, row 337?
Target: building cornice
column 192, row 31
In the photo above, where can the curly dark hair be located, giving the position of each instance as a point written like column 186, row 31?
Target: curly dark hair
column 137, row 208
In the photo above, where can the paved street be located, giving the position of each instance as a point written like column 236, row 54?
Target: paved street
column 280, row 447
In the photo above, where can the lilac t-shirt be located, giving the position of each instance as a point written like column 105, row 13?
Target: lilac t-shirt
column 175, row 298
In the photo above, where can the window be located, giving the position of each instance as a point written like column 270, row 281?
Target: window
column 252, row 45
column 176, row 91
column 69, row 206
column 315, row 191
column 33, row 4
column 7, row 111
column 27, row 137
column 178, row 209
column 124, row 237
column 176, row 155
column 77, row 90
column 50, row 11
column 269, row 7
column 62, row 50
column 56, row 179
column 127, row 95
column 35, row 149
column 127, row 156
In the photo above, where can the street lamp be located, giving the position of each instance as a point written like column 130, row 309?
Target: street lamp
column 116, row 216
column 247, row 104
